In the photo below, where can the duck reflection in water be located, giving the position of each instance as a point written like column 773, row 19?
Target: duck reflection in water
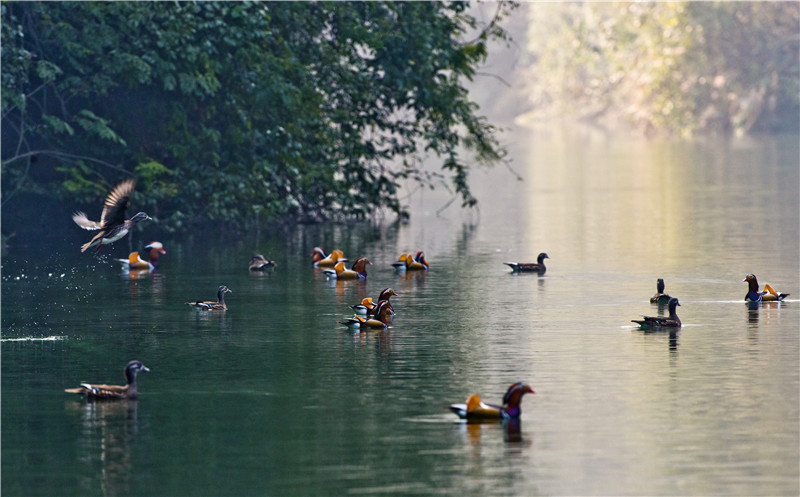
column 672, row 336
column 511, row 428
column 754, row 310
column 108, row 430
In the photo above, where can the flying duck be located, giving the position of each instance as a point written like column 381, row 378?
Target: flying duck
column 659, row 322
column 112, row 224
column 129, row 391
column 260, row 263
column 210, row 305
column 475, row 409
column 358, row 271
column 660, row 297
column 768, row 295
column 538, row 267
column 154, row 250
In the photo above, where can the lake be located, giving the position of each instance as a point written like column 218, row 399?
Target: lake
column 276, row 397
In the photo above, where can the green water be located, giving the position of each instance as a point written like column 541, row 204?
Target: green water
column 275, row 397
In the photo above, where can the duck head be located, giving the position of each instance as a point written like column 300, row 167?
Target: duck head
column 385, row 294
column 752, row 282
column 154, row 250
column 132, row 369
column 222, row 291
column 673, row 304
column 513, row 398
column 660, row 285
column 317, row 254
column 360, row 266
column 542, row 257
column 157, row 246
column 140, row 216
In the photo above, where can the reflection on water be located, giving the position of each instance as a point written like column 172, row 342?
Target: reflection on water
column 108, row 430
column 279, row 398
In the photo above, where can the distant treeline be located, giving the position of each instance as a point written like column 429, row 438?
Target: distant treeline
column 669, row 67
column 233, row 112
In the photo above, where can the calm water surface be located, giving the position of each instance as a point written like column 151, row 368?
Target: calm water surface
column 275, row 397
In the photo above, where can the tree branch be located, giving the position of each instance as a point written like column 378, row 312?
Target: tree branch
column 65, row 156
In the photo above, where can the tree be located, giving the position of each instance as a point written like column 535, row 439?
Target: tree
column 670, row 67
column 237, row 111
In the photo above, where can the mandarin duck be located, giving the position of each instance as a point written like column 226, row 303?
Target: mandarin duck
column 358, row 271
column 364, row 307
column 768, row 295
column 112, row 224
column 538, row 267
column 660, row 297
column 419, row 263
column 401, row 264
column 320, row 259
column 367, row 306
column 381, row 319
column 154, row 250
column 660, row 322
column 208, row 305
column 260, row 263
column 408, row 263
column 475, row 409
column 101, row 392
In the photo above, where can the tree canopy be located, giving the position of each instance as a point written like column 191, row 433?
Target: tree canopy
column 675, row 67
column 232, row 112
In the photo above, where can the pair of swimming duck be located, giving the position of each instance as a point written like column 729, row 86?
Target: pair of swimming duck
column 373, row 316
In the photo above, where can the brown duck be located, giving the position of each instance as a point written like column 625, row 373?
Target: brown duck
column 260, row 263
column 103, row 392
column 112, row 224
column 660, row 297
column 209, row 305
column 660, row 322
column 529, row 267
